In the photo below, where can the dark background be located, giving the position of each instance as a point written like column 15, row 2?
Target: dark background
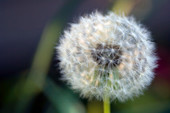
column 22, row 26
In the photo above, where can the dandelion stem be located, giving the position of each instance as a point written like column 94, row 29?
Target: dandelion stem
column 106, row 104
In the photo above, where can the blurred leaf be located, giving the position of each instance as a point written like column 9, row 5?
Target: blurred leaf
column 61, row 99
column 40, row 66
column 35, row 81
column 51, row 109
column 124, row 6
column 147, row 103
column 95, row 106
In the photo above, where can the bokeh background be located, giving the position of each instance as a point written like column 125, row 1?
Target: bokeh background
column 29, row 75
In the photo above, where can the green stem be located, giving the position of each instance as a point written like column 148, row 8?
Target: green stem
column 106, row 105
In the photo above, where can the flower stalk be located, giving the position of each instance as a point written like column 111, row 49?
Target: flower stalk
column 106, row 104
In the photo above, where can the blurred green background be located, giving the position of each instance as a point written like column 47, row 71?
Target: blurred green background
column 29, row 74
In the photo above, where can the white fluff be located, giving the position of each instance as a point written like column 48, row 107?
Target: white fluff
column 85, row 75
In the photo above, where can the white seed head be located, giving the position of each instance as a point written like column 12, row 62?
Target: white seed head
column 107, row 55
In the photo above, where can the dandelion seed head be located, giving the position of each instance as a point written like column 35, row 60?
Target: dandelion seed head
column 107, row 55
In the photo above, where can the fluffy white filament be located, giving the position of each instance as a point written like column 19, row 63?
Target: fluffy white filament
column 107, row 55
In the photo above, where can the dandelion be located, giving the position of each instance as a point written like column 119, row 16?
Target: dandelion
column 107, row 56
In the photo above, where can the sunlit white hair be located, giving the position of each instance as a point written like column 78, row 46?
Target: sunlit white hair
column 107, row 55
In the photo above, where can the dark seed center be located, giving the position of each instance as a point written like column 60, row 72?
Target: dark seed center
column 107, row 55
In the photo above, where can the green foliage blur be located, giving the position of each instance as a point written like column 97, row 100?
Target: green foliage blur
column 34, row 90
